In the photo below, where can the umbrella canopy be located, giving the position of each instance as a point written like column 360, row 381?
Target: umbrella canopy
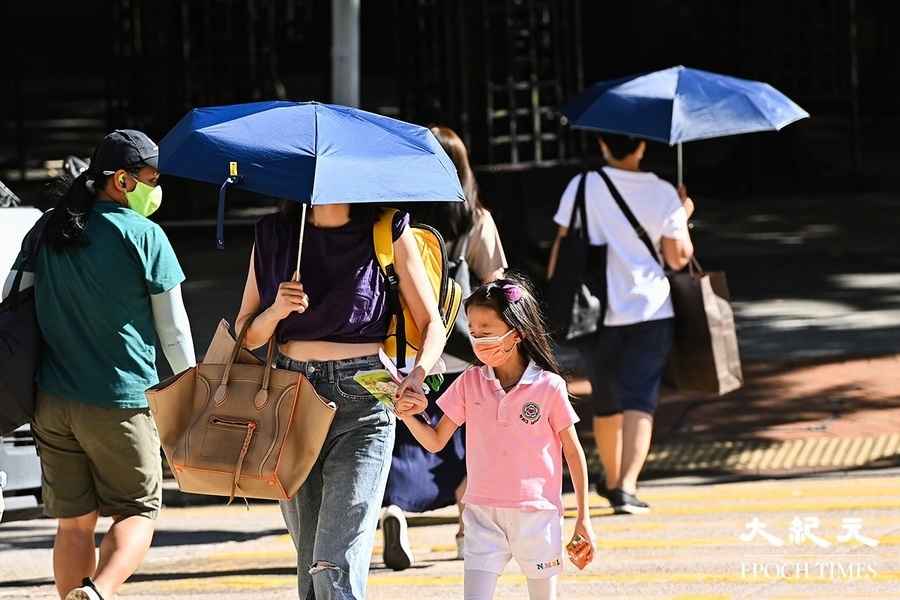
column 312, row 153
column 680, row 105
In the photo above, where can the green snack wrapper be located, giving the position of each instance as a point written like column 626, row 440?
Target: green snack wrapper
column 380, row 384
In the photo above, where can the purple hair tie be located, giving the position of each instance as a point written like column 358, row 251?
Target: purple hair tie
column 512, row 292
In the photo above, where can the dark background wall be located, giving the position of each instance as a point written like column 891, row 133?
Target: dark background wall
column 496, row 70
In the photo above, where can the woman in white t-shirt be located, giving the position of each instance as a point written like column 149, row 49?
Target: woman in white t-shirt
column 628, row 356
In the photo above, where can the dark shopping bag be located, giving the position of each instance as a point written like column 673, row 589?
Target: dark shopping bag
column 705, row 356
column 20, row 343
column 576, row 294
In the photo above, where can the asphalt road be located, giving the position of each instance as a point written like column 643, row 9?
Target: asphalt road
column 689, row 547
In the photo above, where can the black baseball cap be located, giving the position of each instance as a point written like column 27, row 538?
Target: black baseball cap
column 124, row 149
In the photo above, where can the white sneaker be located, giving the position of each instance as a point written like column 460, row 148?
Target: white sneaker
column 460, row 547
column 87, row 591
column 397, row 550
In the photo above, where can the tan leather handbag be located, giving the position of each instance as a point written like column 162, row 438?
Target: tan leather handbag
column 240, row 428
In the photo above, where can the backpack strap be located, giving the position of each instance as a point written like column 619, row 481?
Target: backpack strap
column 635, row 224
column 383, row 237
column 461, row 246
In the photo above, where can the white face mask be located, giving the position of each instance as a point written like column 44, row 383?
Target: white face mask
column 492, row 339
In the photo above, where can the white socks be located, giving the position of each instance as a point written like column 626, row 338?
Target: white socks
column 480, row 585
column 542, row 589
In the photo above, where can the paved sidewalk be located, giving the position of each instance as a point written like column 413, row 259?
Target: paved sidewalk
column 812, row 417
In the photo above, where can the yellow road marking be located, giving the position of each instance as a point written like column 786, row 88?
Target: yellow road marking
column 754, row 490
column 273, row 581
column 604, row 543
column 809, row 504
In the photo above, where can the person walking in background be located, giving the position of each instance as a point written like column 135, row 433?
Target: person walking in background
column 330, row 321
column 519, row 425
column 107, row 287
column 627, row 358
column 420, row 481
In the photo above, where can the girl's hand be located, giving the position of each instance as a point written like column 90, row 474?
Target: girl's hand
column 585, row 554
column 290, row 299
column 409, row 399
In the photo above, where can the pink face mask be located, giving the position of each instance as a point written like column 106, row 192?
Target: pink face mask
column 492, row 350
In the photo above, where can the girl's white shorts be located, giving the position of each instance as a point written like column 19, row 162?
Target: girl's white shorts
column 494, row 535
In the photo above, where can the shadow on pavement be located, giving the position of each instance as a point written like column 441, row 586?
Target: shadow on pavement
column 154, row 577
column 162, row 538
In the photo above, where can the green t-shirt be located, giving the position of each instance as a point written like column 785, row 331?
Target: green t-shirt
column 94, row 311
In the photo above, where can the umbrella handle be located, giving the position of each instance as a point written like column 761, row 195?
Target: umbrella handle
column 220, row 217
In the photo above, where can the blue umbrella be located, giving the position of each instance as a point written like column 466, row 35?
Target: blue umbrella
column 681, row 105
column 311, row 153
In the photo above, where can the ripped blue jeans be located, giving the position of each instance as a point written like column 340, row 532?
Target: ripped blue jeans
column 333, row 517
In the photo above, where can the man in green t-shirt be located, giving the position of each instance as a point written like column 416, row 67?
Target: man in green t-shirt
column 107, row 287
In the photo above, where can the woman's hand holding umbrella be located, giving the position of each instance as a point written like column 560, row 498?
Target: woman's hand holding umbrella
column 290, row 299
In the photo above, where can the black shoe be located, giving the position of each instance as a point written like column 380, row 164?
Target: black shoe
column 602, row 490
column 625, row 503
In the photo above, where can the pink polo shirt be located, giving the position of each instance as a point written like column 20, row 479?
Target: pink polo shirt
column 513, row 450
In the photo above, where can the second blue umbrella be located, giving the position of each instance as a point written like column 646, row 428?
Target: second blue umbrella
column 679, row 105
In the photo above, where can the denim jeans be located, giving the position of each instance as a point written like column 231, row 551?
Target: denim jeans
column 333, row 517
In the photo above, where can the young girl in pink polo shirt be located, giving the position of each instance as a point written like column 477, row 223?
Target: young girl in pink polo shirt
column 519, row 425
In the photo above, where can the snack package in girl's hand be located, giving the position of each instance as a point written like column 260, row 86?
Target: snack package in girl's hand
column 575, row 549
column 380, row 383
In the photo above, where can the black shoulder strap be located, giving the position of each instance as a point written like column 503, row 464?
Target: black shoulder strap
column 31, row 245
column 635, row 224
column 579, row 209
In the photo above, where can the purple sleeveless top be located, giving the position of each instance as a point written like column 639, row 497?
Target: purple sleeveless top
column 347, row 297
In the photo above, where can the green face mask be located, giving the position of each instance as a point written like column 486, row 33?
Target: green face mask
column 144, row 199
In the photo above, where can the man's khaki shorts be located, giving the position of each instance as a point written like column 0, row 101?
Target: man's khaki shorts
column 97, row 459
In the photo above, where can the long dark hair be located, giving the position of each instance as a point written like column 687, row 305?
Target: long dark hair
column 524, row 315
column 452, row 219
column 73, row 200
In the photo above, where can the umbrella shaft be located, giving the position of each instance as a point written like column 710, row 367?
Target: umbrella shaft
column 300, row 242
column 680, row 164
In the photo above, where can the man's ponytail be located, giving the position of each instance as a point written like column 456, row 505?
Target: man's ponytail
column 75, row 198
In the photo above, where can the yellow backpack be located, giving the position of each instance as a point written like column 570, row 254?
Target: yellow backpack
column 404, row 338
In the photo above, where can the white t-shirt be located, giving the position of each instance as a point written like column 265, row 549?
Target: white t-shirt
column 637, row 287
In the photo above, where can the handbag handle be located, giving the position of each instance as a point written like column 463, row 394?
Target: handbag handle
column 694, row 267
column 263, row 393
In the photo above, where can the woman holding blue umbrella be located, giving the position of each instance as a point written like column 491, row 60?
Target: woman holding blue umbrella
column 317, row 286
column 330, row 324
